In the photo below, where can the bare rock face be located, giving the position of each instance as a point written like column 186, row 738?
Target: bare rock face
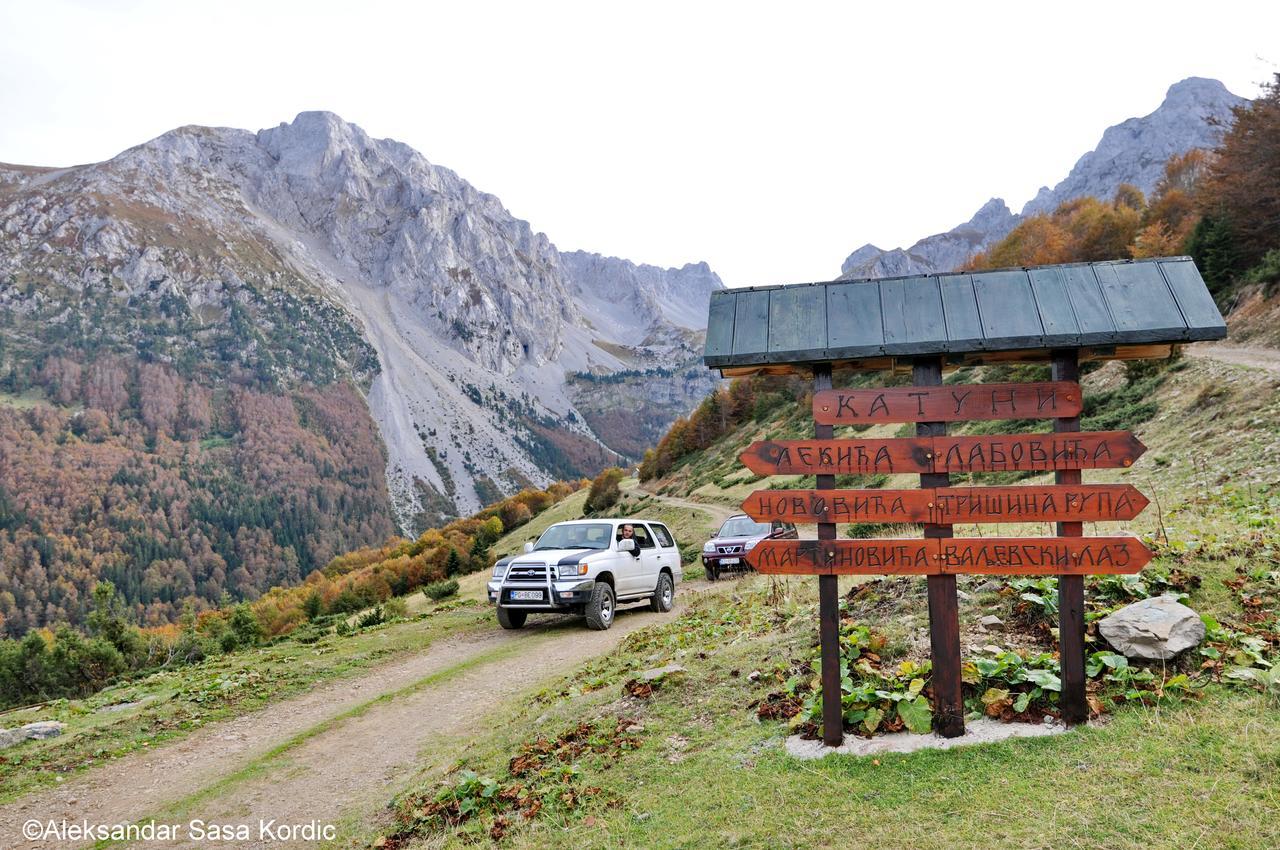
column 337, row 256
column 629, row 301
column 1154, row 629
column 940, row 252
column 1193, row 115
column 481, row 277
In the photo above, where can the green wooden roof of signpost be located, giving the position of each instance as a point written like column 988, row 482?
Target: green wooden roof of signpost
column 1100, row 305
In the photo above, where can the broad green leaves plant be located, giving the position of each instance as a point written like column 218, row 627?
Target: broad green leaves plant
column 874, row 695
column 916, row 714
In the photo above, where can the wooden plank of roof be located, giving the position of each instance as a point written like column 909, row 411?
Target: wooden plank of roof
column 720, row 323
column 751, row 326
column 960, row 304
column 853, row 317
column 1141, row 302
column 1009, row 311
column 1057, row 316
column 926, row 320
column 1093, row 314
column 798, row 321
column 1191, row 294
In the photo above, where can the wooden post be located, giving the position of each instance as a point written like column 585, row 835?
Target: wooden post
column 944, row 607
column 828, row 601
column 1075, row 708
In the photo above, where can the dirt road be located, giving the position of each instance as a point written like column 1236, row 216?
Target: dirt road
column 331, row 752
column 1255, row 357
column 719, row 513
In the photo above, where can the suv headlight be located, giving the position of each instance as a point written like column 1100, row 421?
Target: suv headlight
column 571, row 570
column 749, row 545
column 708, row 546
column 499, row 570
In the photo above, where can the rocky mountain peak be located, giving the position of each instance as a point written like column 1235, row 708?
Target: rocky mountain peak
column 994, row 214
column 1192, row 115
column 485, row 353
column 940, row 251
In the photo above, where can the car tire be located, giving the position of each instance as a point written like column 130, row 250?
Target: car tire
column 511, row 618
column 712, row 573
column 601, row 607
column 664, row 595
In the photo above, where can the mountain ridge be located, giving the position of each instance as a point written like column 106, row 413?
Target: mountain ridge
column 1192, row 115
column 463, row 307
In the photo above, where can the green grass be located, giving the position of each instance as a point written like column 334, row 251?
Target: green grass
column 708, row 773
column 1187, row 771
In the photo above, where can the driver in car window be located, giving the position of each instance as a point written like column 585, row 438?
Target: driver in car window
column 628, row 532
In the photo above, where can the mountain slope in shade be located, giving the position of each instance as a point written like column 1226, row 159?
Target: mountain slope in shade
column 1192, row 115
column 310, row 253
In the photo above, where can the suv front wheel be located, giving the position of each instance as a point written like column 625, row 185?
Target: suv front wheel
column 600, row 608
column 511, row 618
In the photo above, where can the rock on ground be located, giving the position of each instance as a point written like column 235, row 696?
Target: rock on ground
column 1154, row 629
column 37, row 731
column 660, row 673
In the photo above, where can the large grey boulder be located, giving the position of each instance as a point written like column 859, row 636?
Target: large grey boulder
column 37, row 731
column 1154, row 629
column 43, row 729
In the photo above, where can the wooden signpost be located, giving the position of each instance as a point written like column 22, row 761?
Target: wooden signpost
column 950, row 505
column 940, row 556
column 946, row 404
column 1003, row 453
column 1057, row 314
column 1030, row 556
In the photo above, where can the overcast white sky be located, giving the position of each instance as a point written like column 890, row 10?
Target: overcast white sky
column 769, row 139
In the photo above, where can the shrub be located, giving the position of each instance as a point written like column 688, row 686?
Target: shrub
column 374, row 617
column 605, row 492
column 438, row 590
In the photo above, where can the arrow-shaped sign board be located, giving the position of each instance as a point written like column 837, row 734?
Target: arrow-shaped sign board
column 940, row 556
column 951, row 505
column 947, row 403
column 988, row 453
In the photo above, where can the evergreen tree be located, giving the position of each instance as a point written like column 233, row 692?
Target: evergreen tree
column 1213, row 246
column 479, row 554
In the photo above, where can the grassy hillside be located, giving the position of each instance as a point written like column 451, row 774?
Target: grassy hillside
column 1179, row 752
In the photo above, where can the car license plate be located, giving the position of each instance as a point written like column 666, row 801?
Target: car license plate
column 526, row 595
column 729, row 560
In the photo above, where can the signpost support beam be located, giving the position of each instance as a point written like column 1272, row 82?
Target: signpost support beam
column 1074, row 705
column 944, row 606
column 828, row 601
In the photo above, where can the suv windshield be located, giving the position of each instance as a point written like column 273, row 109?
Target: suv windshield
column 741, row 526
column 595, row 535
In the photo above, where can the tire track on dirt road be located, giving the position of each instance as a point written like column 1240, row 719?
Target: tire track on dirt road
column 329, row 752
column 1256, row 357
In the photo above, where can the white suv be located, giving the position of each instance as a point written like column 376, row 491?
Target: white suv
column 585, row 567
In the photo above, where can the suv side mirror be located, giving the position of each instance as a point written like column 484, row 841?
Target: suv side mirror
column 528, row 547
column 628, row 545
